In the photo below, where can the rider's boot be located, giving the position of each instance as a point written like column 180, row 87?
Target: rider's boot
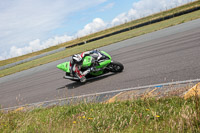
column 82, row 77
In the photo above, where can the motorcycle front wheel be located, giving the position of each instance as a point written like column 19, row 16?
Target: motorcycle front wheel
column 116, row 66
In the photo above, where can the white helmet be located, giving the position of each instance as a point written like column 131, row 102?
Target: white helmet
column 77, row 58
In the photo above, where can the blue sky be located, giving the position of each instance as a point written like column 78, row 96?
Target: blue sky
column 32, row 25
column 106, row 10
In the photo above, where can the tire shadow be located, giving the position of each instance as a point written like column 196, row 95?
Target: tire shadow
column 90, row 80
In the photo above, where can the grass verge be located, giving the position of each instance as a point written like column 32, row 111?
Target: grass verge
column 107, row 31
column 169, row 114
column 103, row 42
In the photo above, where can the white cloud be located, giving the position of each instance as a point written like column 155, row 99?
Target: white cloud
column 144, row 8
column 96, row 25
column 40, row 17
column 22, row 20
column 38, row 45
column 108, row 6
column 2, row 58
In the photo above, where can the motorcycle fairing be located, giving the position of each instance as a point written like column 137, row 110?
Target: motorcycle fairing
column 64, row 66
column 87, row 62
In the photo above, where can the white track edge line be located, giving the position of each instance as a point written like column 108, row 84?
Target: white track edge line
column 106, row 92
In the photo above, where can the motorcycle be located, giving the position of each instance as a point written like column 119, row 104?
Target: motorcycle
column 106, row 66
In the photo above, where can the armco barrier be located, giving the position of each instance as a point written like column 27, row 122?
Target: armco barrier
column 139, row 25
column 32, row 58
column 104, row 36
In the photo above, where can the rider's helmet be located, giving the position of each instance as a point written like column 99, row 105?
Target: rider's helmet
column 77, row 59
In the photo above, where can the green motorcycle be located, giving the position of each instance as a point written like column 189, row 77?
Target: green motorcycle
column 106, row 66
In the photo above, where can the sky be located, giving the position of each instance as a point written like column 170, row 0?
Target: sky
column 30, row 25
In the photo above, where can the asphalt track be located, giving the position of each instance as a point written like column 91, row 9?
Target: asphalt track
column 171, row 54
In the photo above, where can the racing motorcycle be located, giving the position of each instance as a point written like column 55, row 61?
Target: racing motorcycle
column 106, row 66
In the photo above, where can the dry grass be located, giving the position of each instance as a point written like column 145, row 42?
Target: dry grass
column 171, row 114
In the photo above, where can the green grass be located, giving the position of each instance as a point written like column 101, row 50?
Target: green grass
column 103, row 42
column 104, row 32
column 169, row 114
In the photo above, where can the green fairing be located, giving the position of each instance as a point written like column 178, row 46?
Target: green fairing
column 96, row 73
column 102, row 64
column 106, row 54
column 64, row 66
column 87, row 62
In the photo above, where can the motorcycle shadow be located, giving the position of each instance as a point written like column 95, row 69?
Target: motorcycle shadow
column 76, row 84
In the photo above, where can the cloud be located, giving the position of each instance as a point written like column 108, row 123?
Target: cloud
column 144, row 8
column 22, row 20
column 96, row 25
column 108, row 6
column 2, row 58
column 29, row 20
column 36, row 45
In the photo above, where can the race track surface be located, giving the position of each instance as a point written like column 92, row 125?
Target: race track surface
column 171, row 54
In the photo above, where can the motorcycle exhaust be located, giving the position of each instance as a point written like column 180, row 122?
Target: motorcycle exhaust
column 72, row 78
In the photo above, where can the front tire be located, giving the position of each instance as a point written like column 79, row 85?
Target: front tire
column 116, row 66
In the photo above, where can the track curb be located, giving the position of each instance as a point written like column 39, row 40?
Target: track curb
column 106, row 96
column 195, row 90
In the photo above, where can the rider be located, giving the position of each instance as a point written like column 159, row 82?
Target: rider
column 78, row 59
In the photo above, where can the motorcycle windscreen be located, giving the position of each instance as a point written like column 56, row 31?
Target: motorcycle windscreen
column 103, row 52
column 105, row 62
column 64, row 66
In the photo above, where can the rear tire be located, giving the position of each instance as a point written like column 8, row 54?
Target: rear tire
column 67, row 74
column 116, row 66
